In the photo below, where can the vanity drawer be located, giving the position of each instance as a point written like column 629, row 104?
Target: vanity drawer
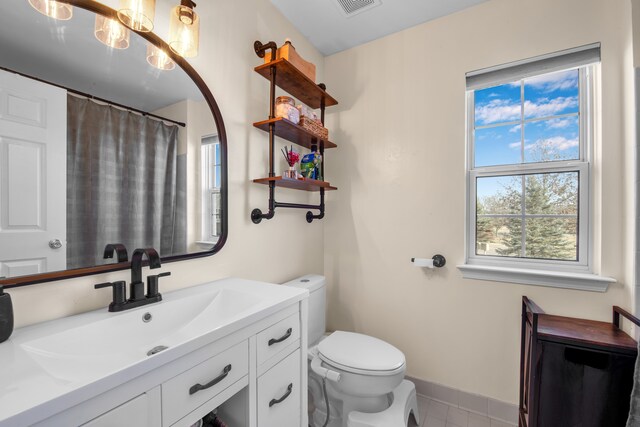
column 187, row 391
column 279, row 394
column 277, row 337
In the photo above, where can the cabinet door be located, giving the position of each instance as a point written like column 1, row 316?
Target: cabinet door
column 584, row 387
column 279, row 394
column 143, row 410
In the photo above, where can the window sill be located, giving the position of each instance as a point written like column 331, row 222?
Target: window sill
column 554, row 279
column 205, row 243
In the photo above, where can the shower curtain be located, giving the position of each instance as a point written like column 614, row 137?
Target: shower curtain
column 122, row 183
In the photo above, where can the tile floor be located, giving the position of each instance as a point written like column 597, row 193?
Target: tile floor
column 438, row 414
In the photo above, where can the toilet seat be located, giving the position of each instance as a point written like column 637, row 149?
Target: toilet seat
column 361, row 354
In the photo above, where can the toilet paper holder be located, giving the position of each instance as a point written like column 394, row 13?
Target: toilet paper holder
column 437, row 261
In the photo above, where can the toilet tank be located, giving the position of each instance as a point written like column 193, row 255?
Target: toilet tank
column 316, row 285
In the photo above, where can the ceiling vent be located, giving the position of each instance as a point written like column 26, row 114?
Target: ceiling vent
column 351, row 8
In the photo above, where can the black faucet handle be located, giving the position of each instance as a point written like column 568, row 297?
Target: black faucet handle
column 152, row 284
column 119, row 292
column 117, row 248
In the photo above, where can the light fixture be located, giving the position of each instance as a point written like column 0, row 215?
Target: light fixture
column 159, row 58
column 53, row 9
column 184, row 29
column 137, row 14
column 111, row 32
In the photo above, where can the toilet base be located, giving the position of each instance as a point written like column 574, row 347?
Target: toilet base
column 404, row 404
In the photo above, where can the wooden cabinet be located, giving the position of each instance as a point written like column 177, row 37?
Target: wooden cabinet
column 574, row 372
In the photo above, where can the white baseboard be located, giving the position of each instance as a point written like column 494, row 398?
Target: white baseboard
column 478, row 404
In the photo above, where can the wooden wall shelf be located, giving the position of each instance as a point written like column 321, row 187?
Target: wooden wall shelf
column 281, row 73
column 304, row 184
column 292, row 132
column 290, row 79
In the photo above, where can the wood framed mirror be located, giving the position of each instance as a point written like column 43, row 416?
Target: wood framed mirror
column 102, row 145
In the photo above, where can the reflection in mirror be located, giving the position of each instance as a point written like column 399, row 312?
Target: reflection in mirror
column 103, row 139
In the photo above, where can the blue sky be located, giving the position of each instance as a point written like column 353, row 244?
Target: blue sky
column 500, row 108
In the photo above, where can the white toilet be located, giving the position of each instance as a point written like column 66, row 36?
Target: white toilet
column 364, row 375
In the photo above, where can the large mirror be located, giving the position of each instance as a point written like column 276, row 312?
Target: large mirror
column 105, row 137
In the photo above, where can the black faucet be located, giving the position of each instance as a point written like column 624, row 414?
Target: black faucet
column 136, row 287
column 137, row 297
column 119, row 249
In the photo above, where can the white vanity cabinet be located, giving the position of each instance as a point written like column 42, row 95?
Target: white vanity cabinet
column 255, row 377
column 142, row 411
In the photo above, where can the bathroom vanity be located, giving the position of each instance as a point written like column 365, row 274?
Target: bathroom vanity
column 234, row 345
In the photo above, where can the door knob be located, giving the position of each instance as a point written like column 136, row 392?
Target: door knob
column 55, row 244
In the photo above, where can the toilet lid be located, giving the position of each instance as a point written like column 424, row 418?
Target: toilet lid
column 361, row 354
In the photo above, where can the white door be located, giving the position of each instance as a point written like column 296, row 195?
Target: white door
column 33, row 176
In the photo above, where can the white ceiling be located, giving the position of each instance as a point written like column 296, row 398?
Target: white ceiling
column 325, row 25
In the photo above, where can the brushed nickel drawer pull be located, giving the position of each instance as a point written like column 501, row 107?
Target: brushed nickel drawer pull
column 276, row 401
column 196, row 388
column 273, row 341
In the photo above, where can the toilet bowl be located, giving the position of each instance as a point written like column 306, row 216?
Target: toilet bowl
column 360, row 372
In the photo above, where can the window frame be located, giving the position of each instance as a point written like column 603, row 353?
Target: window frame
column 208, row 171
column 582, row 165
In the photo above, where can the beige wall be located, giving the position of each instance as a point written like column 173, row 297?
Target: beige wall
column 270, row 251
column 400, row 167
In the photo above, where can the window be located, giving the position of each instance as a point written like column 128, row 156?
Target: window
column 529, row 141
column 211, row 169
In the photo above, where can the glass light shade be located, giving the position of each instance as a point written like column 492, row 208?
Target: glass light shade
column 184, row 31
column 159, row 59
column 111, row 32
column 137, row 14
column 53, row 9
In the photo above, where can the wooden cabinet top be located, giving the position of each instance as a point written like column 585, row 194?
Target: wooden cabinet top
column 590, row 333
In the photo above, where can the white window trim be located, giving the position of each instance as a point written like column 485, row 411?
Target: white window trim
column 559, row 274
column 208, row 238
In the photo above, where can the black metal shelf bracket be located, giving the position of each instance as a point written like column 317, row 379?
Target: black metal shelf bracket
column 257, row 215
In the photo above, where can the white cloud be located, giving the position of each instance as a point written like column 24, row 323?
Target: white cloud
column 498, row 110
column 563, row 80
column 560, row 123
column 504, row 110
column 545, row 107
column 558, row 143
column 515, row 129
column 514, row 145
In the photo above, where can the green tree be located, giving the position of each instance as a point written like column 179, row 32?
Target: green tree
column 544, row 194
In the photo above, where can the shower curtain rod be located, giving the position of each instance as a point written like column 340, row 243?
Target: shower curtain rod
column 96, row 98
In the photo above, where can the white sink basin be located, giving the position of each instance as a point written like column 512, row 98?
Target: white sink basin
column 121, row 339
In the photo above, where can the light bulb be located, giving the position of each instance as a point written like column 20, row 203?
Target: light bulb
column 53, row 9
column 184, row 30
column 159, row 58
column 111, row 32
column 137, row 14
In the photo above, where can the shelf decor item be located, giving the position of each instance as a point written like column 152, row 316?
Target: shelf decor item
column 314, row 127
column 292, row 159
column 283, row 74
column 286, row 109
column 288, row 52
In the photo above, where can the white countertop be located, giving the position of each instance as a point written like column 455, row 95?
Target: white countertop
column 29, row 393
